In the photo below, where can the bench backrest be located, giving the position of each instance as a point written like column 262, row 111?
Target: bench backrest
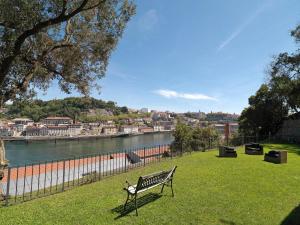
column 150, row 180
column 253, row 145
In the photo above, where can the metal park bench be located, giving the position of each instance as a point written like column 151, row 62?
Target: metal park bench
column 164, row 178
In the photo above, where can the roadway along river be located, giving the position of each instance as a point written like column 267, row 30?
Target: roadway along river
column 19, row 152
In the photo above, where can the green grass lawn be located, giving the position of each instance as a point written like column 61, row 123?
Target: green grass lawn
column 208, row 190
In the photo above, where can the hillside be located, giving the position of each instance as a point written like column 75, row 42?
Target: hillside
column 78, row 108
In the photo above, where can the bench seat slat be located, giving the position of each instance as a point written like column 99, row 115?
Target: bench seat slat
column 150, row 181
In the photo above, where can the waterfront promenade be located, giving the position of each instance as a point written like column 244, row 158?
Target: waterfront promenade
column 55, row 176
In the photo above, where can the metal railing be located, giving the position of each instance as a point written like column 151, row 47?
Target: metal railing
column 30, row 181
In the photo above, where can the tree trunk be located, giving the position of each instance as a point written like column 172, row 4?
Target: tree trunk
column 3, row 163
column 3, row 160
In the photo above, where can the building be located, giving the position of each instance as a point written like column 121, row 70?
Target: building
column 54, row 121
column 36, row 131
column 158, row 128
column 169, row 127
column 220, row 128
column 129, row 129
column 19, row 127
column 6, row 132
column 109, row 130
column 233, row 128
column 22, row 121
column 144, row 110
column 146, row 129
column 75, row 129
column 62, row 130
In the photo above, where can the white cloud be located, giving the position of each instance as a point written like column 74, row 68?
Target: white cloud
column 148, row 20
column 243, row 26
column 190, row 96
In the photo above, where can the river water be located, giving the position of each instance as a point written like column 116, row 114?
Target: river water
column 20, row 152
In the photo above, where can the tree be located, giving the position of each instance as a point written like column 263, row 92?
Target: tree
column 203, row 138
column 73, row 107
column 284, row 76
column 182, row 138
column 65, row 40
column 187, row 138
column 264, row 114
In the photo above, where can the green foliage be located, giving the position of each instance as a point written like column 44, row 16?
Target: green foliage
column 182, row 138
column 264, row 114
column 284, row 76
column 187, row 138
column 68, row 41
column 203, row 138
column 276, row 99
column 75, row 108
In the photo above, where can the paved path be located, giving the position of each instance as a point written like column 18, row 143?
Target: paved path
column 40, row 177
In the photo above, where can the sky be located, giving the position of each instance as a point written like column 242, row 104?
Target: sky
column 195, row 55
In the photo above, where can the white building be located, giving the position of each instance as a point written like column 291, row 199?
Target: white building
column 109, row 130
column 129, row 129
column 233, row 128
column 6, row 132
column 58, row 130
column 220, row 128
column 158, row 128
column 57, row 120
column 144, row 110
column 23, row 121
column 75, row 129
column 36, row 131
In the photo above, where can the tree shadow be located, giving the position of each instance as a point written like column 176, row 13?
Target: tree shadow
column 293, row 218
column 151, row 197
column 227, row 222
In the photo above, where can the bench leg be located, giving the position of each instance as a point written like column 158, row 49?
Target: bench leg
column 162, row 189
column 126, row 202
column 136, row 212
column 172, row 188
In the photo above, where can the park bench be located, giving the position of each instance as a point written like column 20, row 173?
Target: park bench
column 226, row 151
column 254, row 149
column 164, row 178
column 276, row 156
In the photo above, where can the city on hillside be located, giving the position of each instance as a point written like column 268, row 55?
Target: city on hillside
column 104, row 122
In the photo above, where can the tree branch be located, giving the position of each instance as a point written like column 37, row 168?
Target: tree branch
column 6, row 62
column 7, row 24
column 94, row 6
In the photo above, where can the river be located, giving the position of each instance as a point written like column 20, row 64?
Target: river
column 20, row 152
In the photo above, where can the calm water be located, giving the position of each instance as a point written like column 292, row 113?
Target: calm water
column 19, row 153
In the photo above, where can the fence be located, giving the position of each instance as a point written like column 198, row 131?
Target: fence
column 30, row 181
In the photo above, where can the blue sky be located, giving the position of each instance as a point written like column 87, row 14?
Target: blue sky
column 192, row 55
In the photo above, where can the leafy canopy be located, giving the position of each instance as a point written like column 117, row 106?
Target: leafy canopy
column 65, row 40
column 276, row 99
column 264, row 114
column 76, row 108
column 187, row 138
column 284, row 75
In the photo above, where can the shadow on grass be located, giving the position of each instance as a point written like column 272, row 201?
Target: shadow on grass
column 292, row 148
column 293, row 218
column 151, row 197
column 227, row 222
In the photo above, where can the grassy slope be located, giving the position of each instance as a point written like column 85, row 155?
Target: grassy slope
column 208, row 190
